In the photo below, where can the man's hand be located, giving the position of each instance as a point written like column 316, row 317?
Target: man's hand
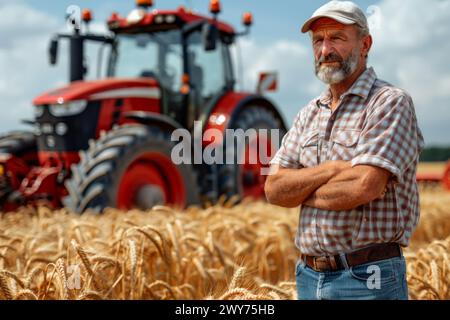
column 350, row 189
column 291, row 187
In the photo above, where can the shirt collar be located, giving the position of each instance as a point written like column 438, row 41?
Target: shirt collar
column 361, row 87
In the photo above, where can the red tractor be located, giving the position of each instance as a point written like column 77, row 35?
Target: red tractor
column 107, row 143
column 436, row 179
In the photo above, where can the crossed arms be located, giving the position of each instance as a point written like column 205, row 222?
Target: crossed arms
column 333, row 185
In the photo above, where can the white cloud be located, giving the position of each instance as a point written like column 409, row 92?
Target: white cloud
column 294, row 64
column 410, row 50
column 23, row 60
column 24, row 64
column 18, row 21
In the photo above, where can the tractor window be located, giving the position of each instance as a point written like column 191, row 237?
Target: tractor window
column 157, row 56
column 206, row 68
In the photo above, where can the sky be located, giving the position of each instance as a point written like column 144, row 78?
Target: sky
column 410, row 50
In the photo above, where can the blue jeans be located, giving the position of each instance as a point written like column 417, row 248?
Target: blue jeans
column 381, row 280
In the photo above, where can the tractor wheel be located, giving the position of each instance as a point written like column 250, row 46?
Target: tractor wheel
column 244, row 178
column 130, row 167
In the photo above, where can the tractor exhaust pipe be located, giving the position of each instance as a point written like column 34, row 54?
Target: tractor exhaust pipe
column 77, row 68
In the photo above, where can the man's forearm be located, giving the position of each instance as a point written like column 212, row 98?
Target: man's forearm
column 291, row 187
column 345, row 191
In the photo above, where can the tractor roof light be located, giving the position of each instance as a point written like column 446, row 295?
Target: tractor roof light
column 144, row 3
column 247, row 19
column 136, row 16
column 214, row 7
column 185, row 81
column 114, row 17
column 87, row 15
column 185, row 78
column 114, row 20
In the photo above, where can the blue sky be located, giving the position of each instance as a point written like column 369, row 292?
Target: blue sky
column 273, row 19
column 411, row 55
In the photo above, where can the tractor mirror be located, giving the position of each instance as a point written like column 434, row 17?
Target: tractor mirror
column 210, row 36
column 53, row 51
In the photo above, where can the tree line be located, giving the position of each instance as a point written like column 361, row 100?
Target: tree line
column 435, row 154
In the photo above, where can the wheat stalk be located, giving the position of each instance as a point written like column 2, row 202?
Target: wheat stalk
column 8, row 274
column 91, row 295
column 238, row 277
column 4, row 288
column 192, row 254
column 61, row 269
column 233, row 293
column 25, row 294
column 133, row 263
column 85, row 260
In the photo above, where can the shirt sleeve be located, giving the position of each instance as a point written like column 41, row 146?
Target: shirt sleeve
column 288, row 154
column 391, row 138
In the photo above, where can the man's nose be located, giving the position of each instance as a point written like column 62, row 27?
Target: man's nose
column 326, row 48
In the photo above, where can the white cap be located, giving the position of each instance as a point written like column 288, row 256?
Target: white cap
column 345, row 12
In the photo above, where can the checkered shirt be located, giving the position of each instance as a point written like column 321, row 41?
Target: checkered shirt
column 374, row 124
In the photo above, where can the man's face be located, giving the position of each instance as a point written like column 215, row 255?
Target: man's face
column 337, row 50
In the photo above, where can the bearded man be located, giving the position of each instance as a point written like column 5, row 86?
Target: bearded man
column 350, row 161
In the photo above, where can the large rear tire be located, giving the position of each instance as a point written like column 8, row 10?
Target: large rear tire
column 130, row 167
column 245, row 179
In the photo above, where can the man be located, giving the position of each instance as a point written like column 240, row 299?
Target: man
column 350, row 161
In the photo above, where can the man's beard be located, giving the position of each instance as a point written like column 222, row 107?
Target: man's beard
column 333, row 74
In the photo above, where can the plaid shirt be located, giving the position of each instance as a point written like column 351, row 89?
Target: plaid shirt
column 374, row 124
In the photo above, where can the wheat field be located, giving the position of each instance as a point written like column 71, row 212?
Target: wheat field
column 226, row 251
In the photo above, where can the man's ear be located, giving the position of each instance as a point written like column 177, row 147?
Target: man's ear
column 367, row 44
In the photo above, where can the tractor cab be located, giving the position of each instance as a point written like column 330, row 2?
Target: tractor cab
column 186, row 53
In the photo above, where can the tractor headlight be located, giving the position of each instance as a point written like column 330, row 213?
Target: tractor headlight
column 68, row 109
column 51, row 142
column 170, row 18
column 37, row 130
column 159, row 19
column 61, row 129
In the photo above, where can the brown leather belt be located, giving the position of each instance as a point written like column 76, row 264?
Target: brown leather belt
column 373, row 253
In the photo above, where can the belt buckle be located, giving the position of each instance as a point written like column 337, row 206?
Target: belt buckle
column 315, row 264
column 330, row 261
column 322, row 260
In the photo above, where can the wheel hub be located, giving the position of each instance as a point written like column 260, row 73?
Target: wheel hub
column 150, row 180
column 149, row 196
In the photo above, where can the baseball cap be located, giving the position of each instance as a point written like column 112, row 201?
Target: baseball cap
column 345, row 12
